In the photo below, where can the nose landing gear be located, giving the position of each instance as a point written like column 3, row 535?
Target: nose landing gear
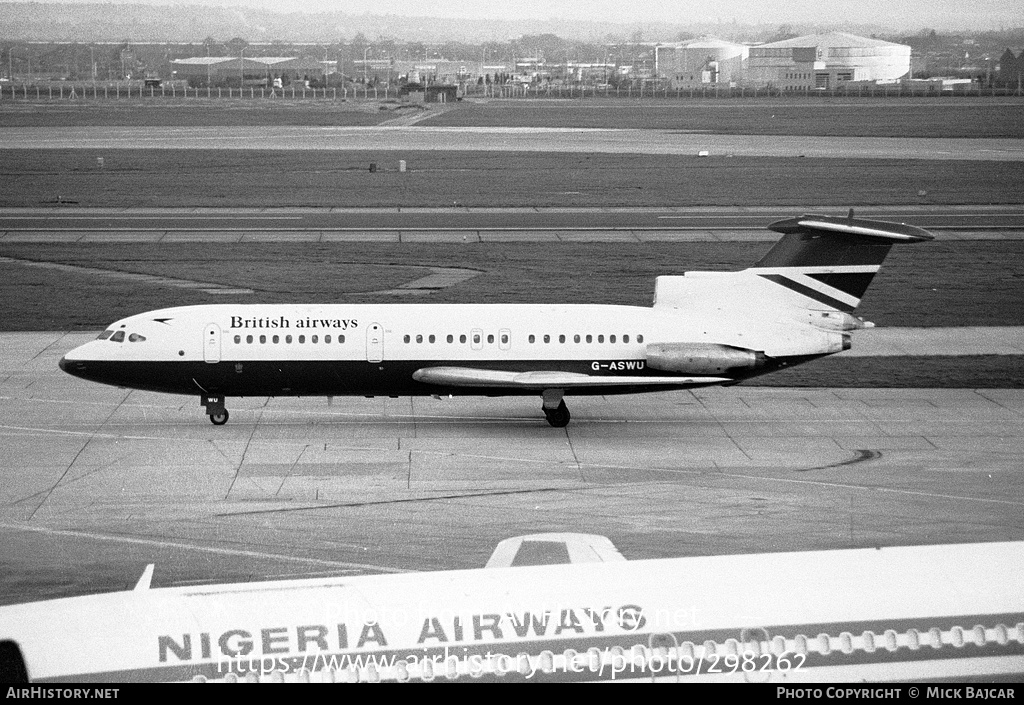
column 215, row 409
column 554, row 408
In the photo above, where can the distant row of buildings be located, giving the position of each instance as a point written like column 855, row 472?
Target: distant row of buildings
column 817, row 61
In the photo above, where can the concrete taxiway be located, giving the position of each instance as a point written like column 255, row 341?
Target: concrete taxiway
column 515, row 139
column 95, row 481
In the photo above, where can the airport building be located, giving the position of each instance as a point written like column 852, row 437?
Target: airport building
column 701, row 63
column 246, row 70
column 825, row 61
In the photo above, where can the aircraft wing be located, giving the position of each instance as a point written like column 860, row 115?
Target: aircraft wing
column 550, row 549
column 540, row 379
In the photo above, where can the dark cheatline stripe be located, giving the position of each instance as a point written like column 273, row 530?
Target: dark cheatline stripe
column 808, row 292
column 853, row 283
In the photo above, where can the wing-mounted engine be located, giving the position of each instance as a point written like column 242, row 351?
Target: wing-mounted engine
column 703, row 358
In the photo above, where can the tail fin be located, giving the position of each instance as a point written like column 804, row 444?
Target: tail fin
column 831, row 260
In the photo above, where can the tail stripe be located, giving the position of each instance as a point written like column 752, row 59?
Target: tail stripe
column 819, row 296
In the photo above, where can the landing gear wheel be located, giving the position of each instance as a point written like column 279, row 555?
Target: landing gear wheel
column 559, row 417
column 220, row 418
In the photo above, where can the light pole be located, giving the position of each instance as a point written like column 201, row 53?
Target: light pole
column 241, row 70
column 365, row 51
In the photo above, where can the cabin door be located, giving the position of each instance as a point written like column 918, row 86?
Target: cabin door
column 211, row 343
column 375, row 343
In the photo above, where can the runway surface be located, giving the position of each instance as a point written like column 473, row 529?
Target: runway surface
column 66, row 224
column 537, row 139
column 95, row 482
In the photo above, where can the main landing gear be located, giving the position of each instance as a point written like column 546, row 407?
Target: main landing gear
column 554, row 408
column 215, row 409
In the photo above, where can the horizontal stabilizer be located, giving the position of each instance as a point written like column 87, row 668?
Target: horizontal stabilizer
column 556, row 548
column 539, row 380
column 896, row 232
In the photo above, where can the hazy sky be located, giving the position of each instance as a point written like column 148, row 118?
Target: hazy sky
column 900, row 14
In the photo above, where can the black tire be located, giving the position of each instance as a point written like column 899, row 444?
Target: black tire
column 559, row 418
column 219, row 419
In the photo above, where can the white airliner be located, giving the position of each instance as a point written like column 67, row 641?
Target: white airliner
column 705, row 328
column 951, row 612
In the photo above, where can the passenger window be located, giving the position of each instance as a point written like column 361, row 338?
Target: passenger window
column 576, row 338
column 327, row 339
column 341, row 339
column 561, row 339
column 314, row 339
column 504, row 338
column 406, row 339
column 476, row 338
column 625, row 339
column 611, row 338
column 276, row 339
column 532, row 338
column 136, row 338
column 263, row 339
column 419, row 338
column 590, row 339
column 288, row 339
column 105, row 334
column 248, row 339
column 490, row 338
column 431, row 339
column 600, row 338
column 547, row 338
column 302, row 339
column 640, row 338
column 462, row 338
column 451, row 339
column 238, row 339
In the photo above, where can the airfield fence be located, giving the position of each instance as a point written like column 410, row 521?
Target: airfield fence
column 119, row 91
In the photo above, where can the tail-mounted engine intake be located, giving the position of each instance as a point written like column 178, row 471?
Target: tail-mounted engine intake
column 702, row 358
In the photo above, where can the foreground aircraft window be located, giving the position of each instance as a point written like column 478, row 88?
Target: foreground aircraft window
column 314, row 339
column 600, row 338
column 263, row 339
column 136, row 338
column 532, row 338
column 105, row 334
column 625, row 339
column 490, row 338
column 118, row 337
column 341, row 339
column 576, row 338
column 406, row 339
column 288, row 339
column 238, row 339
column 451, row 338
column 302, row 339
column 462, row 338
column 419, row 338
column 590, row 339
column 431, row 339
column 561, row 339
column 611, row 339
column 547, row 338
column 476, row 338
column 248, row 339
column 276, row 339
column 504, row 338
column 327, row 339
column 640, row 338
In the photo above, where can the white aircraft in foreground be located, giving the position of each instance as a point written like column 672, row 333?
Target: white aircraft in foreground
column 949, row 612
column 705, row 328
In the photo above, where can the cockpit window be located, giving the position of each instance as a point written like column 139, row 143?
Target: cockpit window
column 136, row 338
column 118, row 337
column 105, row 334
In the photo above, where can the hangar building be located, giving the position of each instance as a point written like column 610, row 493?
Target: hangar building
column 825, row 61
column 701, row 63
column 255, row 70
